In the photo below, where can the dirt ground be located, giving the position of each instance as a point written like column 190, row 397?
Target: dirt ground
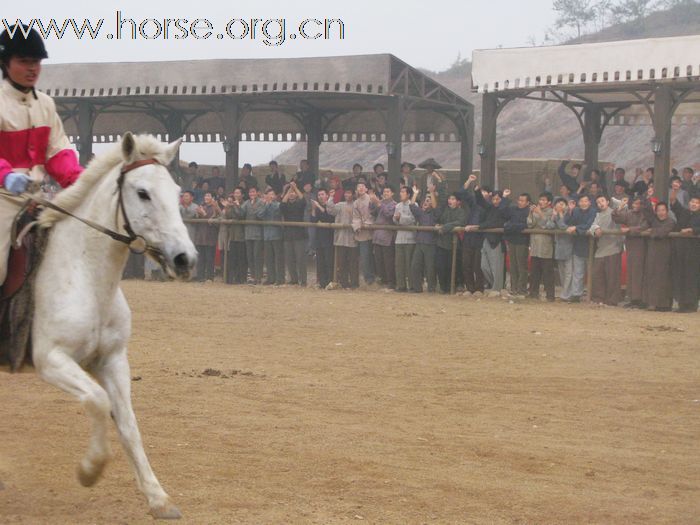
column 352, row 407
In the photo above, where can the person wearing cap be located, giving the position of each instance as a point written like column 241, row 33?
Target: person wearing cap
column 32, row 140
column 435, row 180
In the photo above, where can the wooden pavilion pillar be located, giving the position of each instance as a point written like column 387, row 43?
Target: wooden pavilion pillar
column 394, row 137
column 592, row 133
column 661, row 120
column 487, row 148
column 86, row 118
column 466, row 146
column 231, row 144
column 314, row 136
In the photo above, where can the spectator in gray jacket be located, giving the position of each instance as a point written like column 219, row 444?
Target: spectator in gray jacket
column 405, row 241
column 361, row 217
column 564, row 246
column 206, row 237
column 607, row 262
column 272, row 238
column 541, row 247
column 253, row 235
column 237, row 268
column 383, row 240
column 344, row 240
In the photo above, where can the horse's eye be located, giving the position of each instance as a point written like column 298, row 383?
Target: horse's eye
column 143, row 195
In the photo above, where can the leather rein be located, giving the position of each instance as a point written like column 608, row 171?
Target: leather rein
column 136, row 243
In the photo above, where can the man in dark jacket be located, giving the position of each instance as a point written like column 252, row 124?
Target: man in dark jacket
column 685, row 255
column 450, row 217
column 423, row 261
column 518, row 242
column 323, row 239
column 493, row 248
column 471, row 243
column 292, row 208
column 275, row 179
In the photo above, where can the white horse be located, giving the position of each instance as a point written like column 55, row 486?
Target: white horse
column 82, row 321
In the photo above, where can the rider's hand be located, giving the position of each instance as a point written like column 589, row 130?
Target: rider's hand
column 16, row 182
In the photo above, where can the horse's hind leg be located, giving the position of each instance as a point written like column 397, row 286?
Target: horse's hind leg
column 114, row 374
column 60, row 370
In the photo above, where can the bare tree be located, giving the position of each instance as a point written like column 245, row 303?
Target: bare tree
column 603, row 14
column 576, row 14
column 631, row 10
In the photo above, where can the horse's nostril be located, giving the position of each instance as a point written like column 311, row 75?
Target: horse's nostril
column 181, row 261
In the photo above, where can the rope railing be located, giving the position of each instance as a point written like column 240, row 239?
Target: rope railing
column 436, row 229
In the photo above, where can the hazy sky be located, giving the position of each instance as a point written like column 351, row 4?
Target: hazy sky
column 427, row 34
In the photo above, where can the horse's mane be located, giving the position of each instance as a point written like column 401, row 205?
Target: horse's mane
column 147, row 146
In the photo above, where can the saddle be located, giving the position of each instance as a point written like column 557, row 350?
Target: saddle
column 17, row 292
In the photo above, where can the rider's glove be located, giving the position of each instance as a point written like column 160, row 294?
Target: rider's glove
column 16, row 182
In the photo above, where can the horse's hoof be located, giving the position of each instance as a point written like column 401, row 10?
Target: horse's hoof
column 89, row 476
column 168, row 511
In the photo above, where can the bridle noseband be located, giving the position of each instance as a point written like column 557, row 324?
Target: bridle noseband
column 137, row 244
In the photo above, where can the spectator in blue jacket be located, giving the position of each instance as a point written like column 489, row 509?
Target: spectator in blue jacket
column 579, row 222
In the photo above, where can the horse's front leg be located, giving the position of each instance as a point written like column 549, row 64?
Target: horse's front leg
column 114, row 374
column 57, row 368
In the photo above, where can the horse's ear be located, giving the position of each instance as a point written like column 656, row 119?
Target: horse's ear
column 128, row 147
column 171, row 150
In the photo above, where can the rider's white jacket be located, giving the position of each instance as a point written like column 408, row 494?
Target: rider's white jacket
column 32, row 139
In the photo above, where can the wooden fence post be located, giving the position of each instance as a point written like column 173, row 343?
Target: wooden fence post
column 453, row 275
column 335, row 263
column 589, row 280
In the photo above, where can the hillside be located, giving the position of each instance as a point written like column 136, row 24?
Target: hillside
column 528, row 129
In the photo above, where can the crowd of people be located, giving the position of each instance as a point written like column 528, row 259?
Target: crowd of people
column 661, row 269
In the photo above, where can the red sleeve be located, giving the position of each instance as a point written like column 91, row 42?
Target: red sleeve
column 5, row 168
column 64, row 167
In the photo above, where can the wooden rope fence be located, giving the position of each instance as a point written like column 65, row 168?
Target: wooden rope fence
column 455, row 239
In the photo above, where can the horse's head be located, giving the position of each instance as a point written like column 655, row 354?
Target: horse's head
column 151, row 202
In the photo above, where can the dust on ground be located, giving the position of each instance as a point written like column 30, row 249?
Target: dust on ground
column 288, row 405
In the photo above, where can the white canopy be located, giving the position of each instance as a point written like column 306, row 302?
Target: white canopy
column 586, row 64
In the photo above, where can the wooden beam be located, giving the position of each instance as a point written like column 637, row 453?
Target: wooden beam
column 466, row 146
column 232, row 135
column 394, row 132
column 314, row 136
column 488, row 139
column 663, row 113
column 592, row 132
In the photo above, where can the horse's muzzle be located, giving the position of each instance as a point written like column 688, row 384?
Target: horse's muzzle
column 183, row 265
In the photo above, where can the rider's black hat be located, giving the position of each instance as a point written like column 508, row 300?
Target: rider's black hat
column 23, row 41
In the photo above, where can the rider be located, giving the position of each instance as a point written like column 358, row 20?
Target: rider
column 32, row 140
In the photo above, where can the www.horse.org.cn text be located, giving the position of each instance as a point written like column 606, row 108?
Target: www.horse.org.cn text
column 271, row 32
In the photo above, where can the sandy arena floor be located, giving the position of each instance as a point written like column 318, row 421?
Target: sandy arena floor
column 368, row 407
